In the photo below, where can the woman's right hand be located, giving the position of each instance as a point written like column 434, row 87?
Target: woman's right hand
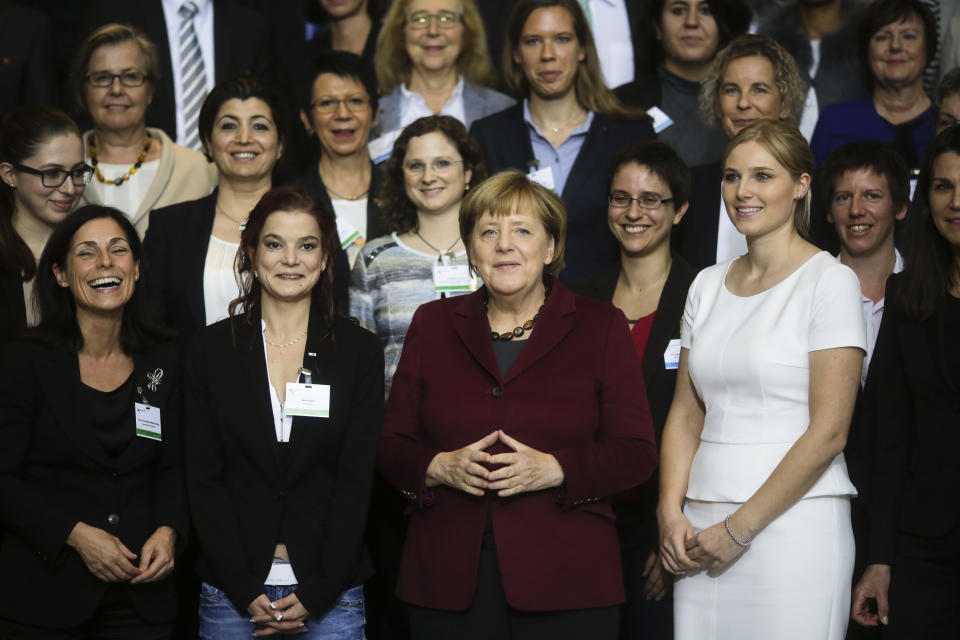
column 105, row 556
column 675, row 531
column 463, row 469
column 873, row 585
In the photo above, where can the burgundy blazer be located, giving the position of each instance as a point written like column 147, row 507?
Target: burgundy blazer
column 574, row 392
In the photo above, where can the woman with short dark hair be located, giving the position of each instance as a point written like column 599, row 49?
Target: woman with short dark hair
column 91, row 485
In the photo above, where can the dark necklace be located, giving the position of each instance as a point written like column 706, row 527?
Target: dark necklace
column 526, row 326
column 92, row 148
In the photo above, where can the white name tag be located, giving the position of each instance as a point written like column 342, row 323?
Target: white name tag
column 543, row 177
column 454, row 277
column 348, row 233
column 660, row 119
column 671, row 357
column 148, row 421
column 308, row 400
column 381, row 148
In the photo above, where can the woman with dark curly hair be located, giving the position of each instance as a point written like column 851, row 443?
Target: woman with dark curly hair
column 433, row 164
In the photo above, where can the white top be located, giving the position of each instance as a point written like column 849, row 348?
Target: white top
column 749, row 363
column 611, row 33
column 219, row 282
column 730, row 242
column 282, row 424
column 413, row 106
column 351, row 226
column 203, row 27
column 130, row 194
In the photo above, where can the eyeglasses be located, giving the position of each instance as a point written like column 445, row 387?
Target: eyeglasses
column 53, row 178
column 445, row 19
column 439, row 165
column 354, row 104
column 103, row 79
column 621, row 200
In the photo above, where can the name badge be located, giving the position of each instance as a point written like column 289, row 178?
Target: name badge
column 348, row 233
column 453, row 277
column 381, row 148
column 660, row 119
column 148, row 421
column 543, row 177
column 671, row 357
column 307, row 400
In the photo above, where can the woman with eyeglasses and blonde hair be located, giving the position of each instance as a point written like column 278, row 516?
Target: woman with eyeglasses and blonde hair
column 43, row 176
column 432, row 59
column 137, row 168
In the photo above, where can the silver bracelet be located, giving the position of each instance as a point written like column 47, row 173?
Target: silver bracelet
column 742, row 543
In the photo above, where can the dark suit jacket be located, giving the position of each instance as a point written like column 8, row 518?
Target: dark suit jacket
column 636, row 513
column 590, row 248
column 27, row 70
column 54, row 474
column 695, row 238
column 312, row 183
column 915, row 474
column 175, row 250
column 572, row 392
column 13, row 308
column 241, row 44
column 248, row 493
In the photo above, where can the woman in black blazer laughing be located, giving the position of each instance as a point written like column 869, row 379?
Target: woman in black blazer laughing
column 283, row 409
column 649, row 189
column 915, row 516
column 91, row 483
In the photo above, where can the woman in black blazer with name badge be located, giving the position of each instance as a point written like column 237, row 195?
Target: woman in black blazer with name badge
column 649, row 189
column 91, row 477
column 283, row 410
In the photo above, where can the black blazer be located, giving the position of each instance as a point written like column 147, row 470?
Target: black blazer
column 28, row 73
column 312, row 183
column 915, row 474
column 54, row 473
column 248, row 493
column 695, row 238
column 175, row 250
column 590, row 248
column 241, row 44
column 13, row 308
column 659, row 382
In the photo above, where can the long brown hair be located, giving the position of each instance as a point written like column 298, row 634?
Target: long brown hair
column 592, row 93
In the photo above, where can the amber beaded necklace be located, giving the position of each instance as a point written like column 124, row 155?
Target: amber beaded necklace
column 132, row 170
column 526, row 326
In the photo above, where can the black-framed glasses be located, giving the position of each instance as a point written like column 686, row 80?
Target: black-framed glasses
column 53, row 178
column 129, row 78
column 445, row 19
column 354, row 104
column 647, row 200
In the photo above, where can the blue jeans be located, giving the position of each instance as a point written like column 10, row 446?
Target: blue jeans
column 219, row 619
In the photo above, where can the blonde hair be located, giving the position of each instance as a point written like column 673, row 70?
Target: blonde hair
column 111, row 34
column 785, row 75
column 510, row 191
column 591, row 91
column 789, row 148
column 393, row 65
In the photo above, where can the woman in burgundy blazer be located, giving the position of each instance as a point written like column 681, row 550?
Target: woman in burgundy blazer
column 509, row 449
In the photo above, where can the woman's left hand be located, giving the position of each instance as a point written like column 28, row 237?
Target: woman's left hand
column 288, row 616
column 524, row 470
column 713, row 548
column 156, row 556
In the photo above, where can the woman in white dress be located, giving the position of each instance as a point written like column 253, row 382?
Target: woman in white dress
column 754, row 506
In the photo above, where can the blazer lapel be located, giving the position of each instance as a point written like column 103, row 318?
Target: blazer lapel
column 145, row 367
column 253, row 387
column 670, row 306
column 588, row 154
column 199, row 239
column 318, row 355
column 933, row 332
column 555, row 323
column 61, row 382
column 470, row 323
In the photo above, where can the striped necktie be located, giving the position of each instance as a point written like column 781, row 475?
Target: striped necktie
column 193, row 78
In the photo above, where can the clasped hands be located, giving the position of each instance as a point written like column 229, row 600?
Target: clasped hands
column 110, row 560
column 682, row 550
column 286, row 615
column 524, row 469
